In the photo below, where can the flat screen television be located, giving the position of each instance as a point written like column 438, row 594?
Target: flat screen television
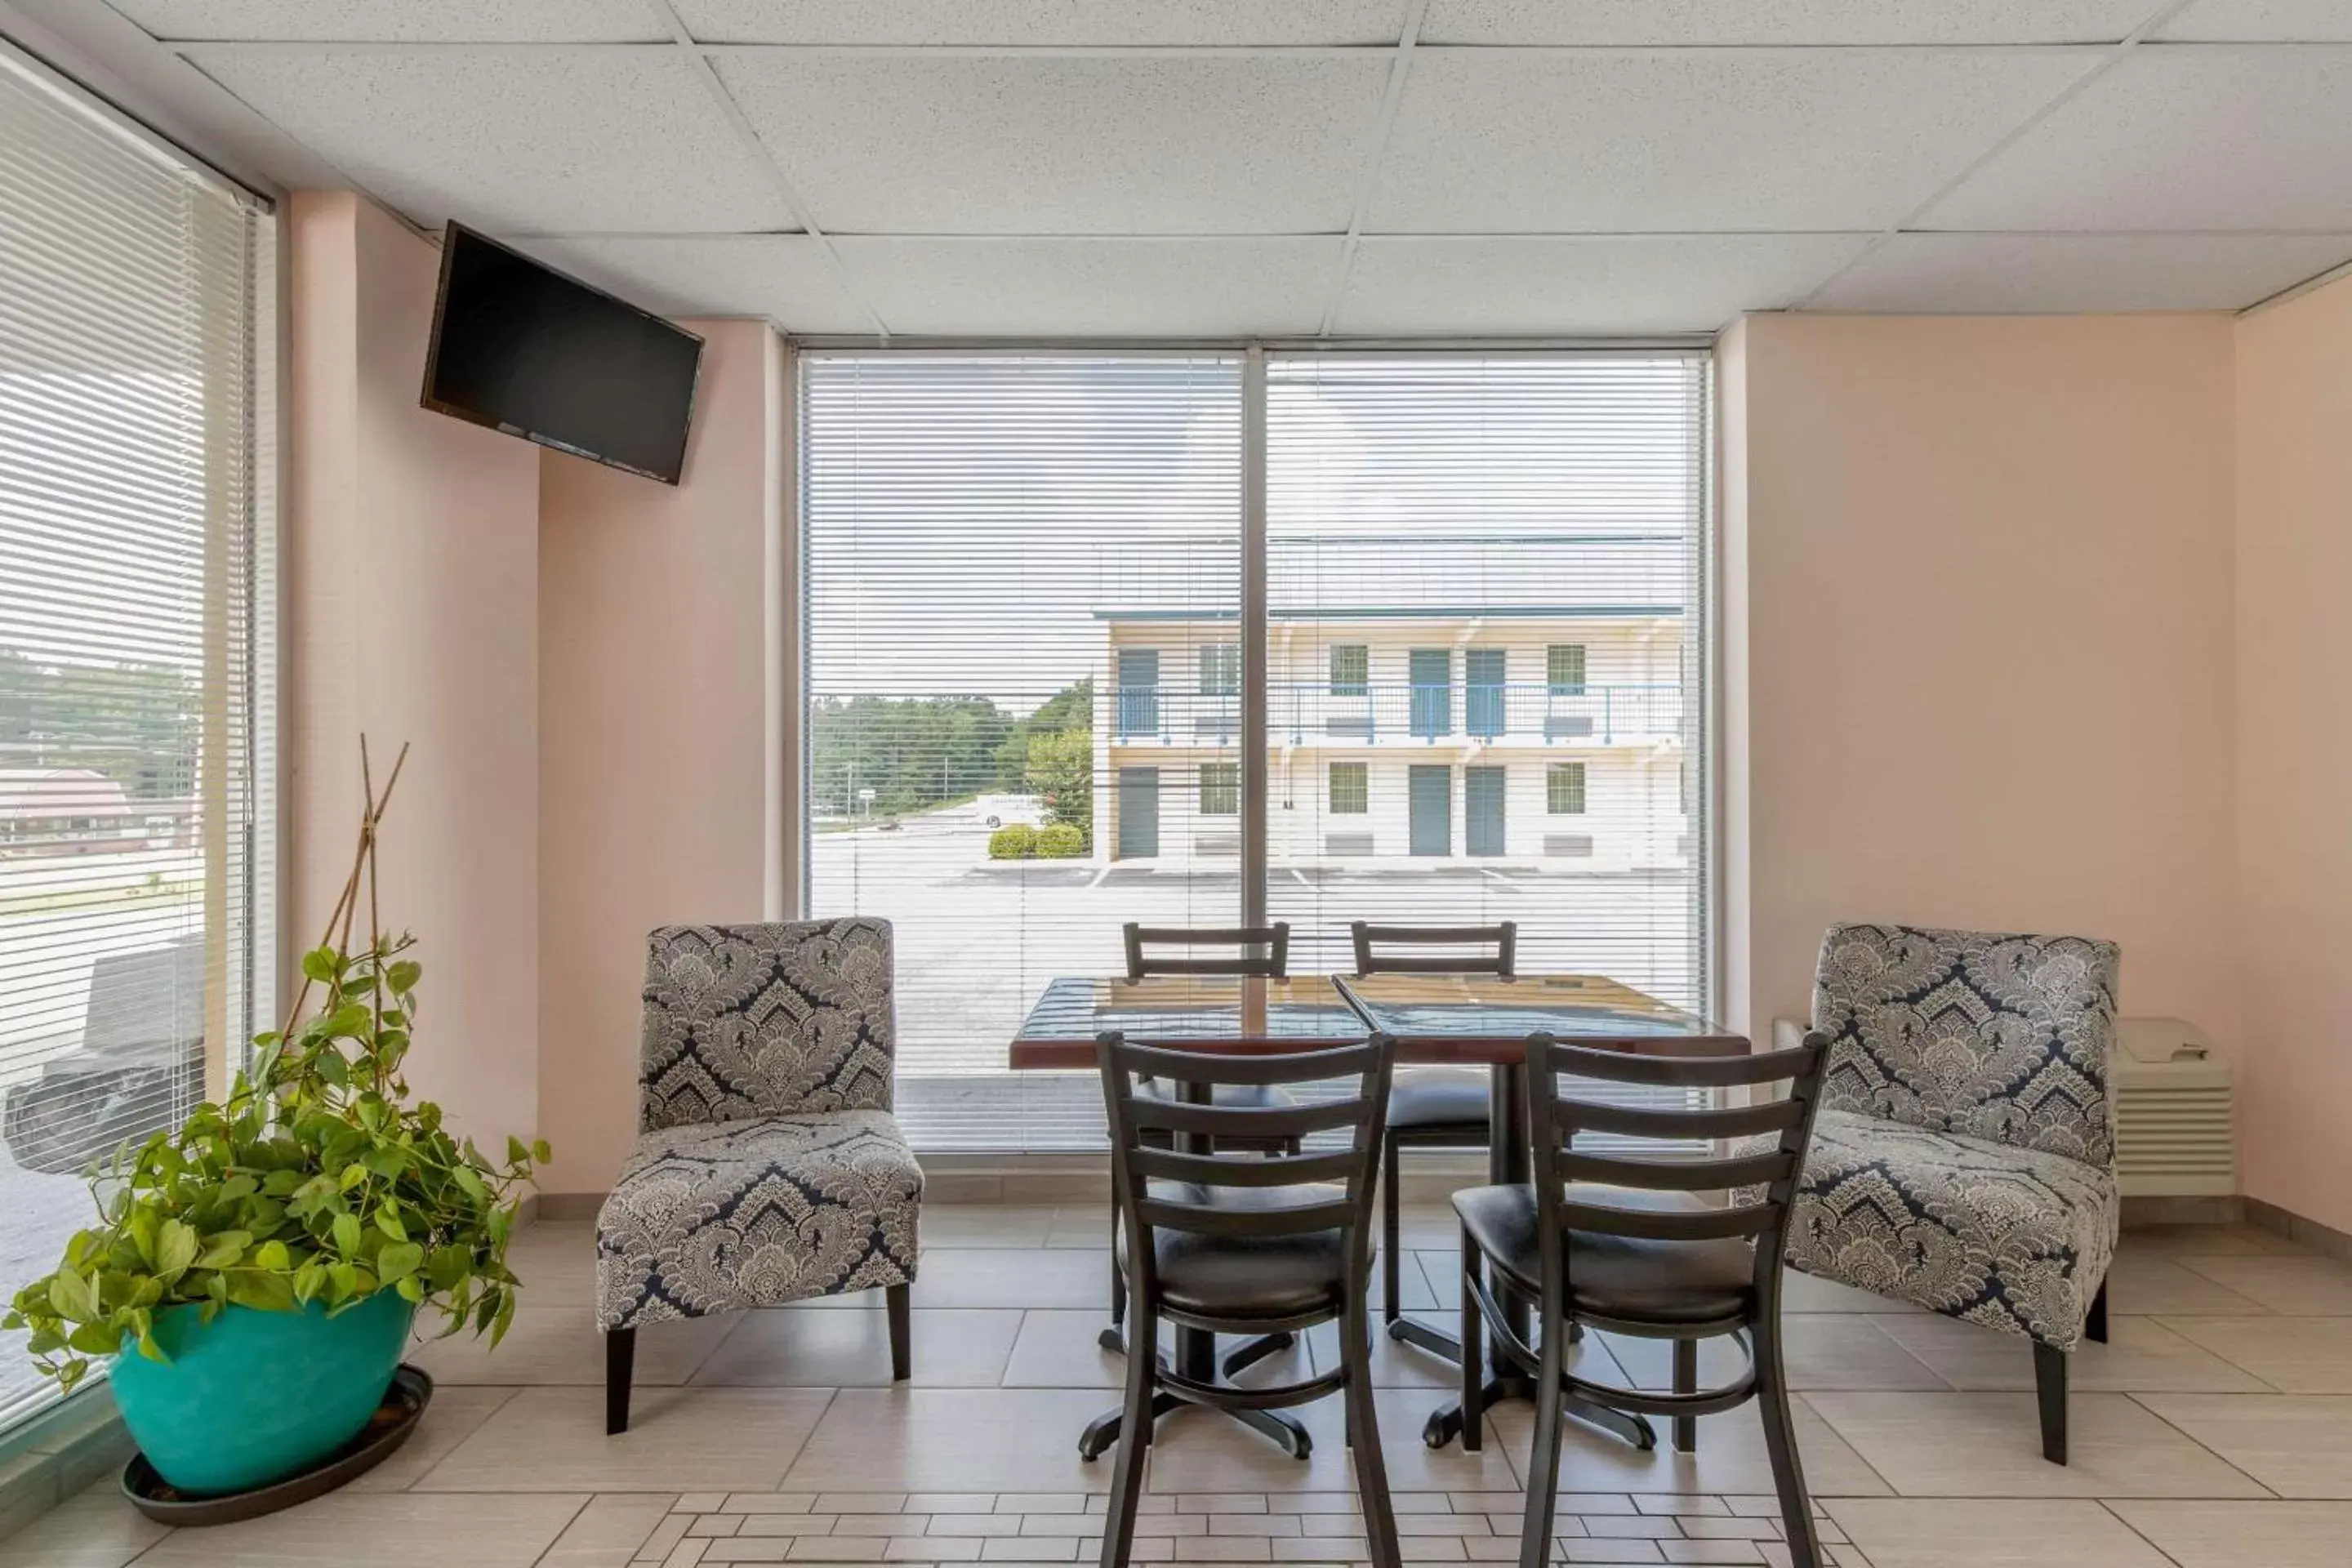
column 521, row 348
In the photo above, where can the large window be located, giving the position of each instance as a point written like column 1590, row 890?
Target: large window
column 1025, row 586
column 134, row 869
column 1023, row 583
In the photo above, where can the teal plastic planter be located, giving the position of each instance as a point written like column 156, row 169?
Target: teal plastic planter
column 252, row 1398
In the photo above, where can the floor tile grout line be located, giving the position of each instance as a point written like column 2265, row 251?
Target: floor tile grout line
column 2190, row 1438
column 586, row 1503
column 2108, row 1506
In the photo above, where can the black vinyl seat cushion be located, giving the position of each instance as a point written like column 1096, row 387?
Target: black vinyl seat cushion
column 1224, row 1096
column 1248, row 1276
column 1663, row 1283
column 1430, row 1102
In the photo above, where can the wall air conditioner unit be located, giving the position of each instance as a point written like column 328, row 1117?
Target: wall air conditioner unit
column 2175, row 1129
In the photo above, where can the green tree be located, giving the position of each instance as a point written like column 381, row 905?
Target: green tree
column 1061, row 772
column 913, row 752
column 1072, row 708
column 139, row 724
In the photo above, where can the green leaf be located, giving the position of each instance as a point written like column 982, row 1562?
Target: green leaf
column 387, row 1220
column 540, row 1151
column 263, row 1292
column 347, row 1233
column 405, row 975
column 72, row 1296
column 175, row 1248
column 399, row 1260
column 270, row 1255
column 410, row 1288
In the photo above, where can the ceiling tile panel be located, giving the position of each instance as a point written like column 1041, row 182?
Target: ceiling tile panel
column 2180, row 136
column 618, row 138
column 1065, row 144
column 1508, row 284
column 1682, row 22
column 401, row 21
column 1095, row 288
column 783, row 277
column 2016, row 274
column 2263, row 21
column 1081, row 22
column 1500, row 141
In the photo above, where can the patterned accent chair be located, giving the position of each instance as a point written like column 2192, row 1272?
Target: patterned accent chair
column 1964, row 1156
column 768, row 1167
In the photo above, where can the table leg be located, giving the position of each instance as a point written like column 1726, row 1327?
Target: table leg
column 1509, row 1162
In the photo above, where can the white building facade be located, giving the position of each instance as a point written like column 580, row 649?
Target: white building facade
column 1552, row 737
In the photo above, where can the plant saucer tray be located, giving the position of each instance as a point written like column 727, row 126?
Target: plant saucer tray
column 403, row 1405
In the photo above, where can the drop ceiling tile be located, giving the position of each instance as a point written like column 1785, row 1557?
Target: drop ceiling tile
column 1095, row 288
column 2010, row 274
column 1506, row 284
column 783, row 277
column 404, row 21
column 2180, row 136
column 2258, row 21
column 1065, row 144
column 1684, row 22
column 602, row 139
column 1147, row 22
column 1703, row 141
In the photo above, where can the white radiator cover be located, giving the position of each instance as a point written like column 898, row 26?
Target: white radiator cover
column 2175, row 1126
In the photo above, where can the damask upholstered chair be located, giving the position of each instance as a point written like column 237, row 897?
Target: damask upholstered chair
column 1964, row 1156
column 768, row 1167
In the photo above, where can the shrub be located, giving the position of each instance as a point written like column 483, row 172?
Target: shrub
column 1062, row 841
column 1015, row 841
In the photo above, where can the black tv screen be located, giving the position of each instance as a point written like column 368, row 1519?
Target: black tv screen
column 521, row 348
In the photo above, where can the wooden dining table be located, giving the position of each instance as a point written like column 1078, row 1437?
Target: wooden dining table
column 1451, row 1019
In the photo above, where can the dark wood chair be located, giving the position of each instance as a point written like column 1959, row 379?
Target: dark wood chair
column 1262, row 950
column 1216, row 1242
column 1631, row 1248
column 1440, row 1108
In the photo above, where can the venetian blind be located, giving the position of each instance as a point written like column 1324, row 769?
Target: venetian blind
column 1023, row 582
column 1484, row 633
column 134, row 747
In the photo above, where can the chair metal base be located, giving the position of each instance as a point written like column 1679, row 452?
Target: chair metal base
column 1196, row 1351
column 1103, row 1430
column 1445, row 1422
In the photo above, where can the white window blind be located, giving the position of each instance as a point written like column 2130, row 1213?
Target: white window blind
column 1023, row 580
column 1515, row 542
column 134, row 749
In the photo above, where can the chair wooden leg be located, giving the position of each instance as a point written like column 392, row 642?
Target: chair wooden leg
column 2094, row 1326
column 1391, row 1225
column 1117, row 1279
column 620, row 1362
column 1543, row 1453
column 1686, row 1382
column 1781, row 1447
column 900, row 1299
column 1474, row 1351
column 1134, row 1437
column 2050, row 1385
column 1364, row 1441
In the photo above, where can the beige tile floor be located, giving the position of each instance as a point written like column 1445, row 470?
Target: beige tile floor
column 2214, row 1431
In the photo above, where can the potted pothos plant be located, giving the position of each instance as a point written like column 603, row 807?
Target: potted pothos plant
column 256, row 1271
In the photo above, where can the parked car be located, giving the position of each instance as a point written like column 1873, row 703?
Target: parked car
column 141, row 1065
column 997, row 810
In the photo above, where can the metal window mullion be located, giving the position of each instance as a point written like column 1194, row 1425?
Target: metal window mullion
column 1254, row 780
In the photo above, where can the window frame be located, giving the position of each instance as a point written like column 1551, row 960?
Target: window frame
column 1212, row 797
column 1363, row 788
column 1261, row 679
column 1573, row 772
column 1554, row 685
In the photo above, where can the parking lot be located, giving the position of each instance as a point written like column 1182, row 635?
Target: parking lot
column 977, row 939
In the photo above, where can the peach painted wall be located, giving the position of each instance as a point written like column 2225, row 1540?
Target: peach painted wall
column 411, row 591
column 1984, row 672
column 2294, row 751
column 660, row 715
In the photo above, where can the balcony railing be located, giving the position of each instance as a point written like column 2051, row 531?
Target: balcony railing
column 1406, row 713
